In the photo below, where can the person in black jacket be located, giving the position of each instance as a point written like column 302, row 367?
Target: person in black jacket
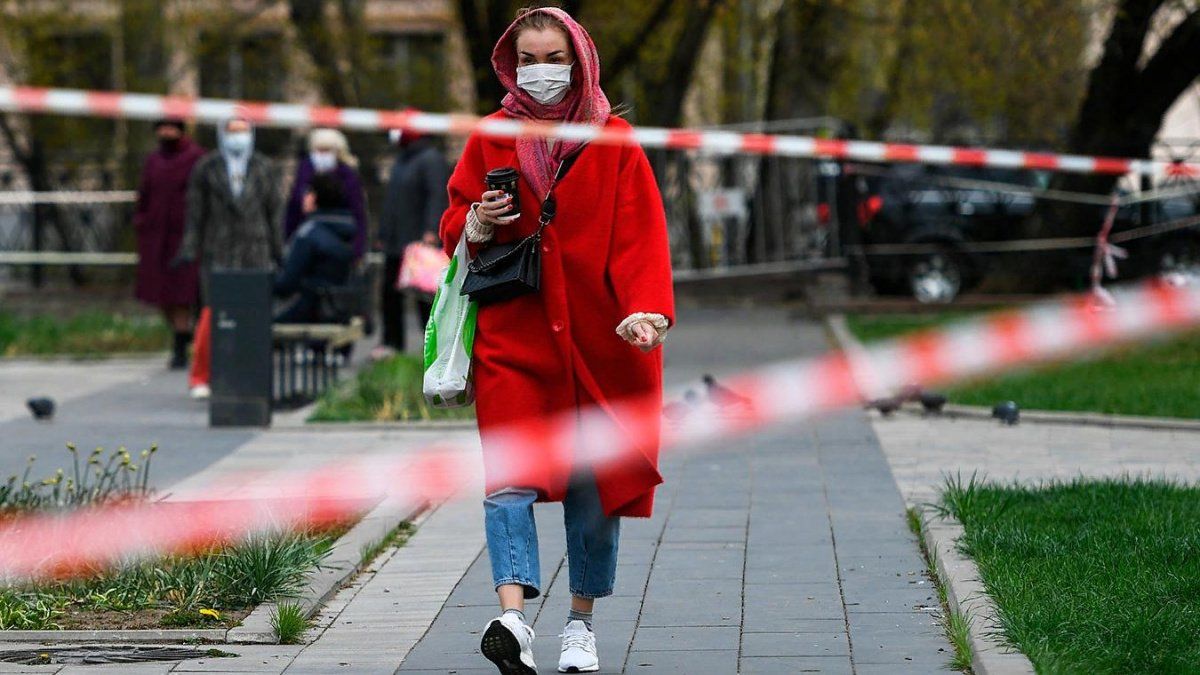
column 320, row 254
column 412, row 209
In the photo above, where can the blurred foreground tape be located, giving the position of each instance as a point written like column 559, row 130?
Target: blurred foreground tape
column 40, row 546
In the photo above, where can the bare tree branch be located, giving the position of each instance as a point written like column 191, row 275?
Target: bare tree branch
column 629, row 51
column 1173, row 68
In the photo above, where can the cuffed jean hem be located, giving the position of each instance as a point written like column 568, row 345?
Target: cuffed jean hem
column 531, row 590
column 591, row 596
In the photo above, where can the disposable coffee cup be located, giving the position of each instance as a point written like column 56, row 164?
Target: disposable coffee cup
column 505, row 178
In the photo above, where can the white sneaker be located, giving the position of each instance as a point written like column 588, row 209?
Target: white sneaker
column 200, row 391
column 578, row 649
column 508, row 643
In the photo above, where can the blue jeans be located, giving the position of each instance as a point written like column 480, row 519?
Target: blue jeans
column 591, row 540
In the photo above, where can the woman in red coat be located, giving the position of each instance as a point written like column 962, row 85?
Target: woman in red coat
column 589, row 337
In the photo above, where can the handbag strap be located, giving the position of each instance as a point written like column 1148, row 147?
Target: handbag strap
column 549, row 204
column 549, row 210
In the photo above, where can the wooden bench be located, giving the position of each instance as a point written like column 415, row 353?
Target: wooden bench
column 306, row 359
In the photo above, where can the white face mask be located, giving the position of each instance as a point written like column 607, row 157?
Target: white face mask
column 547, row 83
column 323, row 160
column 237, row 143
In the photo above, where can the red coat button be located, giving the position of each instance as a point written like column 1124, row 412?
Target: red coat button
column 545, row 248
column 557, row 326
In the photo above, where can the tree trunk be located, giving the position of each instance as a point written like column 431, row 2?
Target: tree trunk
column 665, row 96
column 482, row 30
column 311, row 22
column 801, row 69
column 1122, row 111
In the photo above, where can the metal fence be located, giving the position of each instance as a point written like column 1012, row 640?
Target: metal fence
column 732, row 212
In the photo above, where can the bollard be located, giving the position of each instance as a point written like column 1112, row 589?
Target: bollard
column 241, row 348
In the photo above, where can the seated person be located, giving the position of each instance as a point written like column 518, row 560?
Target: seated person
column 320, row 254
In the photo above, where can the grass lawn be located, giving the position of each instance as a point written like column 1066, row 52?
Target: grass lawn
column 387, row 391
column 1156, row 378
column 87, row 334
column 1090, row 576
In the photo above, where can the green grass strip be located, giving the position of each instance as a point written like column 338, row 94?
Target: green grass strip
column 387, row 391
column 90, row 333
column 956, row 625
column 1156, row 378
column 1092, row 576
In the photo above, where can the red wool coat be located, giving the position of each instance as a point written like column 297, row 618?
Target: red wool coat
column 604, row 257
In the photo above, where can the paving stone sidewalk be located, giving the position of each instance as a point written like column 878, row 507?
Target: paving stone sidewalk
column 131, row 402
column 787, row 552
column 790, row 557
column 923, row 451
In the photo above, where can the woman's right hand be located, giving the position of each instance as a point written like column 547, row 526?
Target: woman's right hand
column 492, row 207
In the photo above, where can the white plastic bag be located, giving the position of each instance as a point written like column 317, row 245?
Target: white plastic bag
column 449, row 337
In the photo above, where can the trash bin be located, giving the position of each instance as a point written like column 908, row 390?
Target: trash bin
column 241, row 348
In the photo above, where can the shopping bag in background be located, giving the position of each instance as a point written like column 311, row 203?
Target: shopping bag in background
column 421, row 268
column 449, row 337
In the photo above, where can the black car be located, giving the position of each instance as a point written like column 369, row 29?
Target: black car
column 934, row 231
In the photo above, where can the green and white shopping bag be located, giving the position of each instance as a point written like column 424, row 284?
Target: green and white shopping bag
column 449, row 337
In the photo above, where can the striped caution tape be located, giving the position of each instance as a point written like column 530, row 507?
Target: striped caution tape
column 23, row 197
column 151, row 106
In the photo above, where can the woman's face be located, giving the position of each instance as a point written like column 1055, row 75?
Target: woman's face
column 549, row 45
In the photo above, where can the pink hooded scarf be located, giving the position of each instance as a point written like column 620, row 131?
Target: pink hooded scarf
column 585, row 103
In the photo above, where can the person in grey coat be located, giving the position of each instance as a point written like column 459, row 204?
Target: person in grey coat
column 412, row 208
column 233, row 223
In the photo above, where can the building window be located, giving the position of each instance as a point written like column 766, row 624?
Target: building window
column 251, row 67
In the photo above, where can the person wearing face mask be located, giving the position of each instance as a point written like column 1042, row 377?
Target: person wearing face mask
column 232, row 223
column 158, row 221
column 328, row 153
column 590, row 336
column 319, row 256
column 412, row 207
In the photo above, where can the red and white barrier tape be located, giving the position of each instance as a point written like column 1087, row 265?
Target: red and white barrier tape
column 69, row 197
column 43, row 546
column 150, row 107
column 1104, row 258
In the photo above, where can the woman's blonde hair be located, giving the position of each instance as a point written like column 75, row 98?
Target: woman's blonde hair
column 335, row 139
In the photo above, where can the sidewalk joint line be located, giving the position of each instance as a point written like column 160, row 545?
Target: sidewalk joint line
column 637, row 624
column 837, row 566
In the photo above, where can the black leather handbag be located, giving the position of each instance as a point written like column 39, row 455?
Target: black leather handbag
column 506, row 271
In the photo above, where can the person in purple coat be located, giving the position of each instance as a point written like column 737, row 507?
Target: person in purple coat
column 159, row 221
column 328, row 152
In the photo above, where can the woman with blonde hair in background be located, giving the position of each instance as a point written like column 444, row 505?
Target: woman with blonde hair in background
column 328, row 152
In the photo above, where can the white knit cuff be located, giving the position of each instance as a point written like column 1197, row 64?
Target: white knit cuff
column 477, row 232
column 658, row 321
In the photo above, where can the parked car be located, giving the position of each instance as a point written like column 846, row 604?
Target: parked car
column 937, row 210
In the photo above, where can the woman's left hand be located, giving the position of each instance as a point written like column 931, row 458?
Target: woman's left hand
column 643, row 335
